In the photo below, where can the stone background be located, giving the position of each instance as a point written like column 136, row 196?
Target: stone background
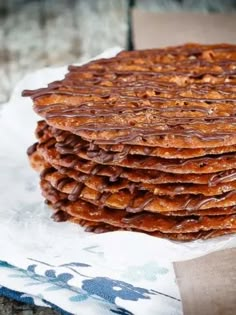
column 38, row 33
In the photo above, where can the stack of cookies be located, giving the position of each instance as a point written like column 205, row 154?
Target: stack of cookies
column 144, row 141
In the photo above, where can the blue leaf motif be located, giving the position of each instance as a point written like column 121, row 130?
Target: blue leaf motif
column 110, row 289
column 4, row 264
column 75, row 264
column 62, row 277
column 31, row 268
column 50, row 273
column 78, row 298
column 65, row 277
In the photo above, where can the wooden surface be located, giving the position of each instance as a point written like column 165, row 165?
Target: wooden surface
column 38, row 33
column 34, row 34
column 10, row 307
column 187, row 5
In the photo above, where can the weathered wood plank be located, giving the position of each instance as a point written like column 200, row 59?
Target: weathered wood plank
column 101, row 24
column 60, row 34
column 10, row 307
column 21, row 42
column 187, row 5
column 38, row 33
column 3, row 64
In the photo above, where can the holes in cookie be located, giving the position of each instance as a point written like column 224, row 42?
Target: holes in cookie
column 202, row 164
column 211, row 55
column 136, row 104
column 210, row 111
column 105, row 96
column 209, row 120
column 195, row 55
column 197, row 76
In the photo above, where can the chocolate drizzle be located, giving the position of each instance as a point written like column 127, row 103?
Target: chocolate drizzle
column 60, row 216
column 147, row 200
column 113, row 129
column 113, row 178
column 47, row 171
column 199, row 202
column 147, row 133
column 32, row 148
column 197, row 165
column 41, row 127
column 222, row 177
column 130, row 217
column 58, row 204
column 105, row 157
column 71, row 161
column 148, row 222
column 77, row 190
column 103, row 198
column 74, row 145
column 95, row 170
column 166, row 93
column 63, row 182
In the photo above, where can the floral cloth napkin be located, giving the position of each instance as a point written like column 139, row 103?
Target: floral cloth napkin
column 61, row 266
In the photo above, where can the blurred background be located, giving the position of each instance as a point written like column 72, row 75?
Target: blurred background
column 38, row 33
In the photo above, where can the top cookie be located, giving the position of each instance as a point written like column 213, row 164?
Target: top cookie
column 177, row 97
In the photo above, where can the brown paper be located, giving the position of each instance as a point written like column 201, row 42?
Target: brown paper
column 152, row 30
column 208, row 284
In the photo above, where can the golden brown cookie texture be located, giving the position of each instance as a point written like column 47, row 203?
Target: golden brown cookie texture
column 144, row 141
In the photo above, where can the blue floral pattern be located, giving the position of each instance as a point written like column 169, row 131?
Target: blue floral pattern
column 104, row 290
column 103, row 287
column 110, row 289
